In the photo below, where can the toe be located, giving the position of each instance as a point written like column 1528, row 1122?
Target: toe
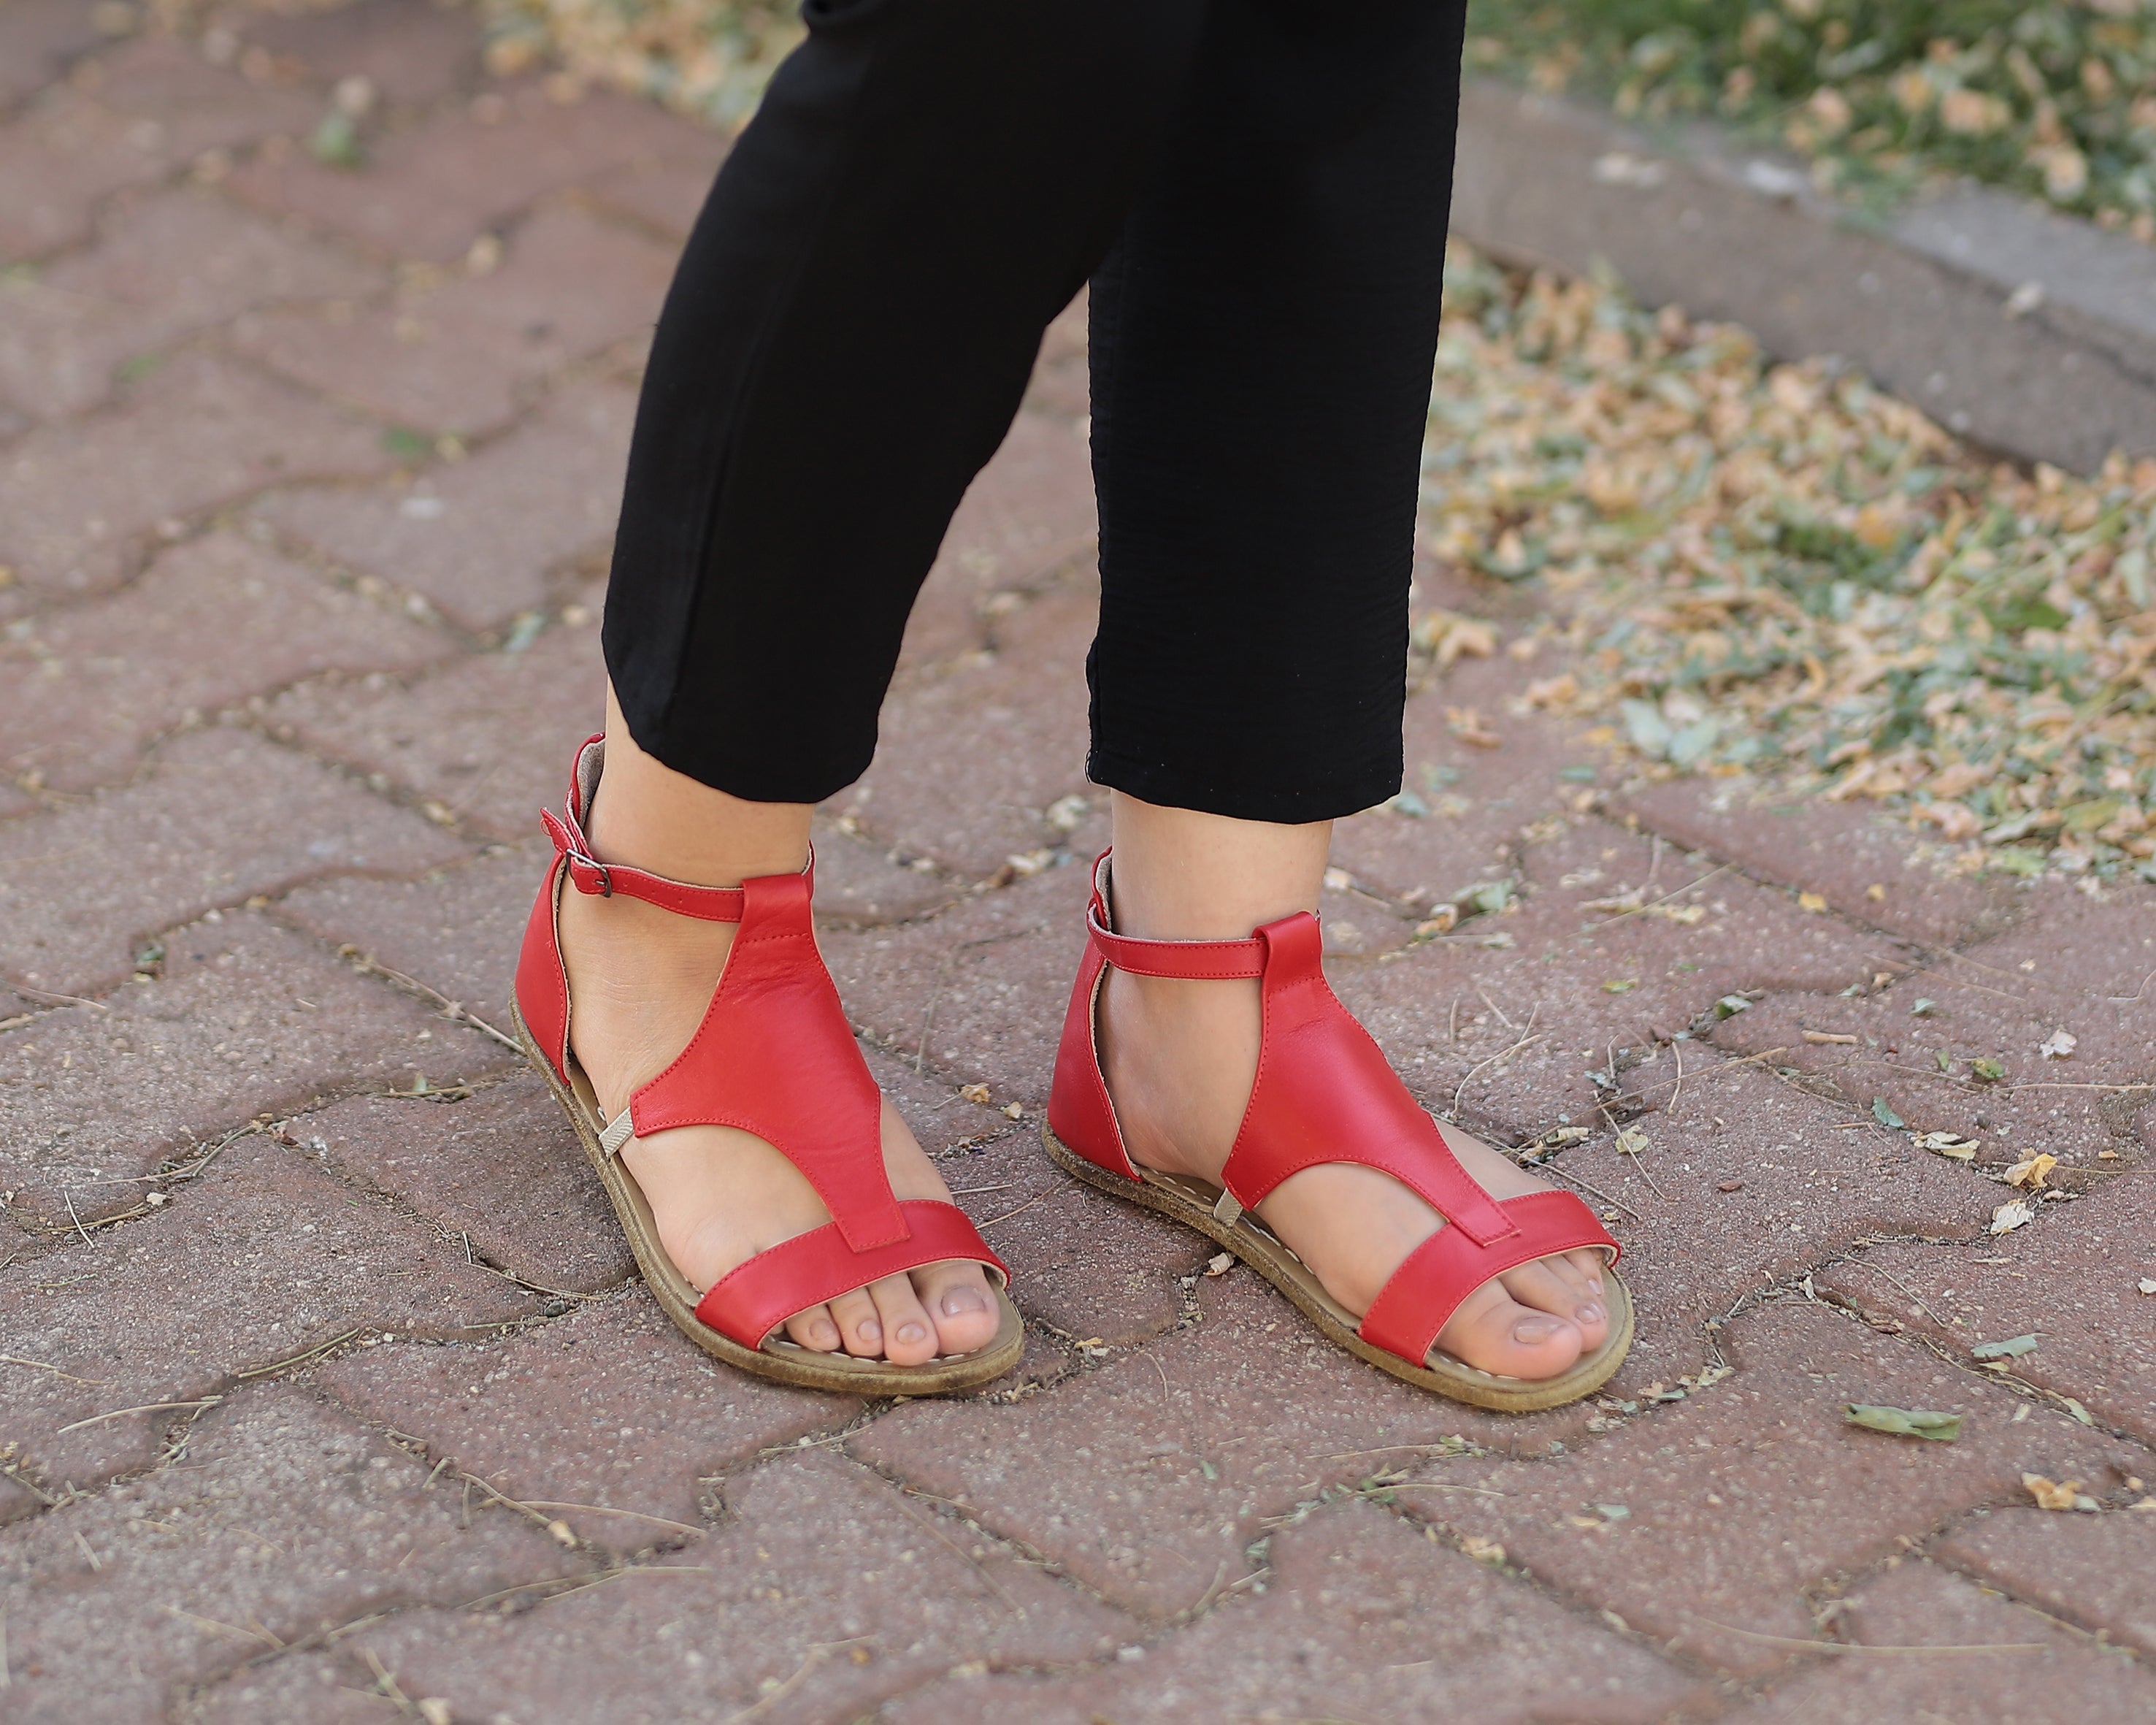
column 956, row 1297
column 909, row 1334
column 1591, row 1265
column 813, row 1329
column 1493, row 1330
column 1549, row 1285
column 859, row 1323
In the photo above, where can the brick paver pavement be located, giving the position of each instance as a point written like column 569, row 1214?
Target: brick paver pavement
column 328, row 1390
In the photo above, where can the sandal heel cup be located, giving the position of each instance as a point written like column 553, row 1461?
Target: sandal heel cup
column 1325, row 1094
column 793, row 1074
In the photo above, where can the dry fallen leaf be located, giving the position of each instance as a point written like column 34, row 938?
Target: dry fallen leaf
column 2012, row 1349
column 2031, row 1171
column 2059, row 1045
column 1904, row 1422
column 1632, row 1141
column 975, row 1093
column 2052, row 1494
column 1466, row 724
column 1812, row 901
column 2148, row 1285
column 1219, row 1264
column 2015, row 1213
column 1482, row 1550
column 1947, row 1144
column 1442, row 920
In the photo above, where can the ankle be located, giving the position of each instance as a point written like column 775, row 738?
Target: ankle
column 647, row 815
column 1181, row 874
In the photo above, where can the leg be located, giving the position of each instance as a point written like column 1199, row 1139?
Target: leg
column 844, row 344
column 1264, row 335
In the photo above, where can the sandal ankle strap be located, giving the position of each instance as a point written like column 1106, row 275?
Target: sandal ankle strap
column 602, row 880
column 1191, row 961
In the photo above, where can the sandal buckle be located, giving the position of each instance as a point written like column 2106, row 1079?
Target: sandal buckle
column 1227, row 1208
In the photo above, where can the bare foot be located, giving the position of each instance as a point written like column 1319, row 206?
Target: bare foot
column 640, row 979
column 1180, row 1057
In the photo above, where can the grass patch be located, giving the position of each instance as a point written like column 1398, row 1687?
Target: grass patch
column 1781, row 568
column 1878, row 96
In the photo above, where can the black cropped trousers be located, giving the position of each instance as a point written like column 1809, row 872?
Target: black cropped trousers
column 1257, row 191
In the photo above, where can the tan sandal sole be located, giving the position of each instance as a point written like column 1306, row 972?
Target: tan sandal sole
column 1190, row 1202
column 781, row 1360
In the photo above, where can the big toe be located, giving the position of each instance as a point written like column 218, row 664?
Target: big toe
column 1553, row 1286
column 958, row 1300
column 1494, row 1332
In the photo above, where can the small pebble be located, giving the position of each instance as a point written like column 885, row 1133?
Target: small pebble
column 1730, row 1185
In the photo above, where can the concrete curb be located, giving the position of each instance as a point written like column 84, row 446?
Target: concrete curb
column 2030, row 332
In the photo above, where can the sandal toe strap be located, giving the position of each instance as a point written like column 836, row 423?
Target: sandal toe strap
column 747, row 1303
column 1426, row 1290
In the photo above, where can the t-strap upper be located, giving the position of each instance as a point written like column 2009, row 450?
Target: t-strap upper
column 1323, row 1092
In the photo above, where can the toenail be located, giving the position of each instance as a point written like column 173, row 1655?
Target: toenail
column 912, row 1332
column 959, row 1301
column 869, row 1330
column 1536, row 1329
column 1589, row 1313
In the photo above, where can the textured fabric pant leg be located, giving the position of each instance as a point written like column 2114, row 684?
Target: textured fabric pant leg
column 846, row 340
column 1263, row 337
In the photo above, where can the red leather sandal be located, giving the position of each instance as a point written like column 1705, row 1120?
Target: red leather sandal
column 774, row 1056
column 1325, row 1094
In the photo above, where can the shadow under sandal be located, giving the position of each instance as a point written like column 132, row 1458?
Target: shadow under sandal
column 776, row 1057
column 1324, row 1093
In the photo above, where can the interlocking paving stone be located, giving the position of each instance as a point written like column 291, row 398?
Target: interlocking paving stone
column 1148, row 1478
column 455, row 929
column 176, row 264
column 489, row 738
column 189, row 105
column 1731, row 1503
column 2070, row 1278
column 1360, row 1619
column 409, row 50
column 2075, row 965
column 2091, row 1570
column 2044, row 1676
column 1027, row 517
column 665, row 192
column 247, row 1017
column 1477, row 800
column 502, row 1169
column 765, row 1613
column 37, row 38
column 260, row 1258
column 58, row 158
column 428, row 191
column 1808, row 1192
column 221, row 816
column 480, row 538
column 199, row 431
column 82, row 691
column 977, row 993
column 458, row 355
column 1097, row 1270
column 283, row 1521
column 975, row 749
column 1834, row 849
column 1576, row 983
column 610, row 1418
